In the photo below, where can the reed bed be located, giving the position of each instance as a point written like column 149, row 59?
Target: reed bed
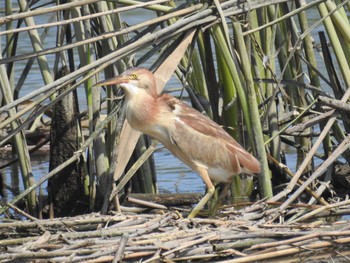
column 238, row 235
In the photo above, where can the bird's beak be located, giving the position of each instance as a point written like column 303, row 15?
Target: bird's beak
column 113, row 81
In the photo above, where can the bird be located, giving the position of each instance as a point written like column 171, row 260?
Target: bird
column 194, row 138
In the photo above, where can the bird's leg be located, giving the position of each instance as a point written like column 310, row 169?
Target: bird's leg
column 218, row 200
column 225, row 191
column 210, row 191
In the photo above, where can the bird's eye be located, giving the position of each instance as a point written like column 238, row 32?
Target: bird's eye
column 135, row 76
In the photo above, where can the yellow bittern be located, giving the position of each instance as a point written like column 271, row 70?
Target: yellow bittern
column 191, row 136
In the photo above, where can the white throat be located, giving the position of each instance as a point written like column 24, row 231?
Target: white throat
column 130, row 90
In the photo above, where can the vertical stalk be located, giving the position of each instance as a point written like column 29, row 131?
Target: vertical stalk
column 207, row 57
column 265, row 68
column 341, row 24
column 19, row 143
column 231, row 65
column 264, row 177
column 10, row 42
column 338, row 50
column 300, row 101
column 340, row 20
column 83, row 31
column 230, row 115
column 310, row 57
column 37, row 45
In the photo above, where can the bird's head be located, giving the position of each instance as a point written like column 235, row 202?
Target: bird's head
column 134, row 81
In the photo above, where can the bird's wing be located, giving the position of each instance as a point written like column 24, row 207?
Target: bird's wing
column 195, row 119
column 208, row 138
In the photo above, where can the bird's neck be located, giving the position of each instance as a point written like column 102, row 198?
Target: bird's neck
column 141, row 111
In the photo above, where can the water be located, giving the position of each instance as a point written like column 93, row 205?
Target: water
column 173, row 176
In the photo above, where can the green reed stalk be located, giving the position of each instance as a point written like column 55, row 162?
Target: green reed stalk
column 340, row 20
column 299, row 98
column 338, row 50
column 264, row 177
column 37, row 45
column 19, row 143
column 341, row 25
column 270, row 69
column 219, row 41
column 310, row 57
column 9, row 39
